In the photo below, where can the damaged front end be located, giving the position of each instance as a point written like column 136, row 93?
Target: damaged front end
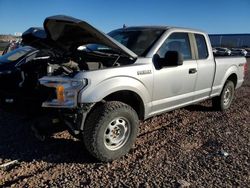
column 45, row 75
column 66, row 92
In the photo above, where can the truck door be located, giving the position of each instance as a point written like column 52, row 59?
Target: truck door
column 174, row 85
column 206, row 68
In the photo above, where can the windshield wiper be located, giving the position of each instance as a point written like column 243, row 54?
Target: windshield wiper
column 104, row 51
column 111, row 52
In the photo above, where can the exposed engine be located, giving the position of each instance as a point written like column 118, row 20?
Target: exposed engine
column 69, row 65
column 21, row 84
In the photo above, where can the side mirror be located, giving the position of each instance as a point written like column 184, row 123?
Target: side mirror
column 173, row 58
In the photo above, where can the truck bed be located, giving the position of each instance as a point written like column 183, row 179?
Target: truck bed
column 224, row 66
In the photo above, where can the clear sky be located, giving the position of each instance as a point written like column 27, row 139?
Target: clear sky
column 213, row 16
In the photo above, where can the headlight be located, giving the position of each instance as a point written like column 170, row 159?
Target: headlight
column 66, row 91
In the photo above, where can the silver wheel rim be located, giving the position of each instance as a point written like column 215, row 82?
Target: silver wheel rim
column 117, row 133
column 227, row 96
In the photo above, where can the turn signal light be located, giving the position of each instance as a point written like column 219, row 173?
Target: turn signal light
column 60, row 93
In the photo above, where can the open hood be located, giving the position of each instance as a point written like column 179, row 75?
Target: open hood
column 36, row 37
column 33, row 34
column 69, row 33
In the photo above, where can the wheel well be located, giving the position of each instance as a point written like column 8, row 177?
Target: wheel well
column 130, row 98
column 233, row 78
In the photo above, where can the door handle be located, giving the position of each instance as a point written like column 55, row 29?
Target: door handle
column 192, row 71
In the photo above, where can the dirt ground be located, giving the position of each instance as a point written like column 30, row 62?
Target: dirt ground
column 193, row 146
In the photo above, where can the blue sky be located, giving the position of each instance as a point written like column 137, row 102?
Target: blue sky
column 213, row 16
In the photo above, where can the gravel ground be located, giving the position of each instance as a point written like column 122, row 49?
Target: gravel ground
column 193, row 146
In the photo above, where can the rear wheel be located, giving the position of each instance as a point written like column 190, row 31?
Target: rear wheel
column 110, row 130
column 225, row 99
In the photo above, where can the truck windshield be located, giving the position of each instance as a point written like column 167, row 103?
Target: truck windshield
column 16, row 54
column 137, row 40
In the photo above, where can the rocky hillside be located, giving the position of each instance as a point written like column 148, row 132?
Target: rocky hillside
column 6, row 38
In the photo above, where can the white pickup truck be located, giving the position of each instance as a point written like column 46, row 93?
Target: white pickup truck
column 112, row 81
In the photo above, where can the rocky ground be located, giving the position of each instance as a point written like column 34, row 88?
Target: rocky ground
column 193, row 146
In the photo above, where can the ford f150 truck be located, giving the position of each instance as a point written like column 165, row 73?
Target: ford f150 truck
column 103, row 84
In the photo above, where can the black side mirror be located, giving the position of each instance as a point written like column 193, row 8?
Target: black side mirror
column 157, row 61
column 173, row 58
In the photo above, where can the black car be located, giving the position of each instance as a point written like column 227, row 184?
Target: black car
column 21, row 68
column 19, row 73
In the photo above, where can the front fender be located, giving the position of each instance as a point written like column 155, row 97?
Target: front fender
column 95, row 93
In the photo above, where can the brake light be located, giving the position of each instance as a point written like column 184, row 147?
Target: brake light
column 245, row 69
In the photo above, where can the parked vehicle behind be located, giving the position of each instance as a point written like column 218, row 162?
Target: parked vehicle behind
column 104, row 88
column 248, row 52
column 219, row 51
column 238, row 52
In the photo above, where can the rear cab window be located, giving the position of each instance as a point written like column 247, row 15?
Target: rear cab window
column 201, row 46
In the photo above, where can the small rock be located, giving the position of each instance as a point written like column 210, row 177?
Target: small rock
column 146, row 185
column 224, row 153
column 183, row 183
column 9, row 165
column 108, row 165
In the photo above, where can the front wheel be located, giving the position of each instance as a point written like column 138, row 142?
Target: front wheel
column 110, row 130
column 225, row 99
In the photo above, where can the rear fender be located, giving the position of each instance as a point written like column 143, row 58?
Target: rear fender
column 232, row 70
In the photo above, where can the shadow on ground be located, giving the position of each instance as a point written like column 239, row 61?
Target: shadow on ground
column 200, row 107
column 19, row 142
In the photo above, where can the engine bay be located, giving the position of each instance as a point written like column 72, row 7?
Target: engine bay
column 53, row 64
column 21, row 81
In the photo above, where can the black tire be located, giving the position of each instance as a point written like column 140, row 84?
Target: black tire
column 111, row 120
column 220, row 102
